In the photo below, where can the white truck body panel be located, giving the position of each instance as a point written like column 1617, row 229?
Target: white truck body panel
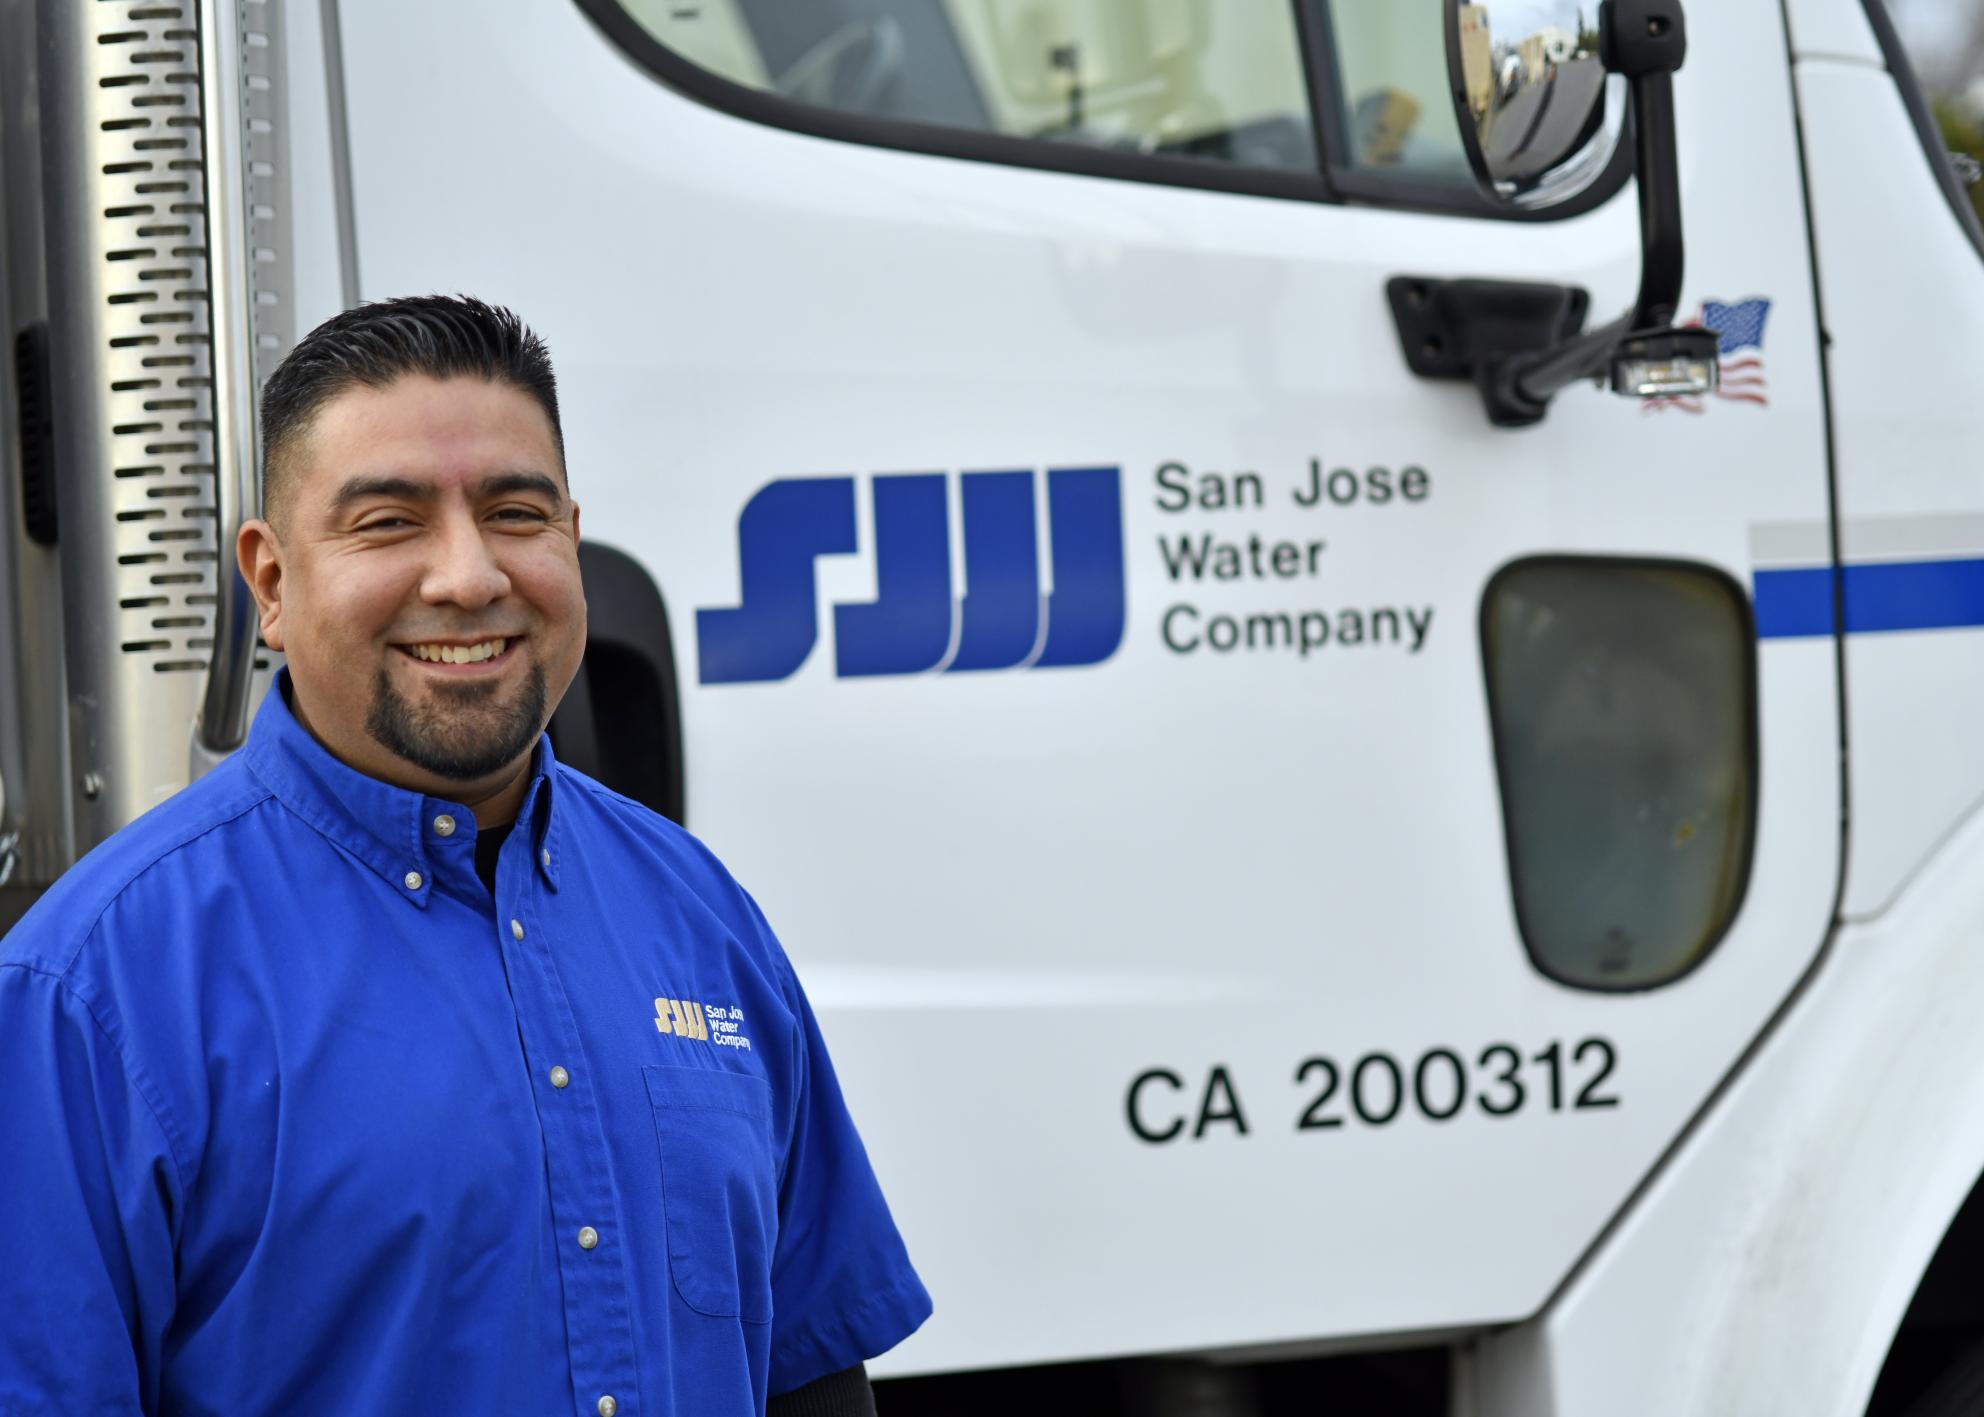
column 1906, row 422
column 1835, row 29
column 1012, row 892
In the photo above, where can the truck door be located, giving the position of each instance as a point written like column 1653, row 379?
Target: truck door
column 1276, row 858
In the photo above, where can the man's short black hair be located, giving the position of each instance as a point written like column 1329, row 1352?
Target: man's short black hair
column 440, row 336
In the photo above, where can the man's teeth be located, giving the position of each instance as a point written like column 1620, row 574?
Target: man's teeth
column 459, row 654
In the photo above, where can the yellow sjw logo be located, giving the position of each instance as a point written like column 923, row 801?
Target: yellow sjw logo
column 684, row 1020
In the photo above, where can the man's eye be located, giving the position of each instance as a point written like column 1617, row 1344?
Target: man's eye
column 522, row 514
column 385, row 524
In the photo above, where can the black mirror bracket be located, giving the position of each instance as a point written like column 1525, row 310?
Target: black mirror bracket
column 1484, row 330
column 1521, row 343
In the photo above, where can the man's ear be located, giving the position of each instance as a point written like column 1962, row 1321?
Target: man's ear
column 258, row 552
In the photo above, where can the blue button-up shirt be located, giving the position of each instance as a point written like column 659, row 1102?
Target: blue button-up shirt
column 295, row 1117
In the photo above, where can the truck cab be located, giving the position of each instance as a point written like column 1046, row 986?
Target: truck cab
column 1298, row 879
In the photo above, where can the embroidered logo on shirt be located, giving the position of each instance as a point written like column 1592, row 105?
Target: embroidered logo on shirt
column 686, row 1018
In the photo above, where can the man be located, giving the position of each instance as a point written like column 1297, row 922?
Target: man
column 378, row 1072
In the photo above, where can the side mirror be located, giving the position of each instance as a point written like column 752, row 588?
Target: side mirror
column 1529, row 86
column 1531, row 103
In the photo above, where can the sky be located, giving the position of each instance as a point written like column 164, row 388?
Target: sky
column 1529, row 16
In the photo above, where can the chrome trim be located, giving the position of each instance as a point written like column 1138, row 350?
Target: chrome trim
column 223, row 721
column 340, row 122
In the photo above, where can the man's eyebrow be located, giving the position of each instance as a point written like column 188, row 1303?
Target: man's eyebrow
column 358, row 489
column 504, row 483
column 407, row 489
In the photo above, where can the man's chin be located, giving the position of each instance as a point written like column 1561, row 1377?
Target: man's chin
column 463, row 731
column 454, row 773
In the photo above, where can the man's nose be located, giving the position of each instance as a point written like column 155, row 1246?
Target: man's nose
column 464, row 570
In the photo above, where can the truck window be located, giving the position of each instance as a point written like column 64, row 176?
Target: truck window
column 1936, row 55
column 1320, row 100
column 1396, row 113
column 1217, row 83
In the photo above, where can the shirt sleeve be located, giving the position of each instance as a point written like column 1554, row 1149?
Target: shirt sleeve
column 86, row 1234
column 843, row 1290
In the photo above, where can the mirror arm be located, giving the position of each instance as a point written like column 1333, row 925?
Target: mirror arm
column 1660, row 202
column 1644, row 40
column 1520, row 388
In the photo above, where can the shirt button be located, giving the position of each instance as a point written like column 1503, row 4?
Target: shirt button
column 545, row 857
column 517, row 929
column 444, row 825
column 413, row 880
column 588, row 1237
column 607, row 1406
column 559, row 1077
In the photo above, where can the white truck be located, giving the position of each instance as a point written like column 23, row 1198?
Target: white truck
column 1342, row 867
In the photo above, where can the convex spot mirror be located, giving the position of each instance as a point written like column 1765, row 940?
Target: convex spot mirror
column 1530, row 79
column 1533, row 96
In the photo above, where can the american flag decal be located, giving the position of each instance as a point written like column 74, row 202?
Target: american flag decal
column 1739, row 329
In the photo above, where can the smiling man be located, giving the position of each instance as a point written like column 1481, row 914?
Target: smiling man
column 425, row 587
column 379, row 1071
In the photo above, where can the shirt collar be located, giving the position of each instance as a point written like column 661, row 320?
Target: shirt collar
column 389, row 828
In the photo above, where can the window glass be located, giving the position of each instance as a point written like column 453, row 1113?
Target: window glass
column 1623, row 701
column 1397, row 114
column 1944, row 40
column 1218, row 80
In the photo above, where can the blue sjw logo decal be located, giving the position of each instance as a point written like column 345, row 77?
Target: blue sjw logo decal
column 914, row 623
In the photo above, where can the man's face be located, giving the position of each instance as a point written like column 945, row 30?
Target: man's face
column 425, row 582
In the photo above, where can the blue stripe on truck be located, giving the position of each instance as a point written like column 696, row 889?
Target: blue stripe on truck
column 1896, row 595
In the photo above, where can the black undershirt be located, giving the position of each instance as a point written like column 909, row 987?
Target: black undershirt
column 842, row 1394
column 488, row 845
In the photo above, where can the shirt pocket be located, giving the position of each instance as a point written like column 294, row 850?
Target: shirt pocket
column 718, row 1188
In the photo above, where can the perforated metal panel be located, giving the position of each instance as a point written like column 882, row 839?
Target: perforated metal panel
column 131, row 345
column 153, row 277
